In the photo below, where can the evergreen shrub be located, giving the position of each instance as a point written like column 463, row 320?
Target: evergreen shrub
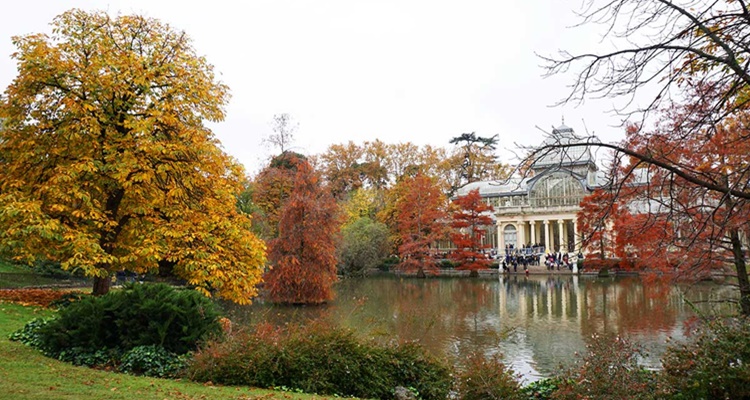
column 388, row 263
column 68, row 299
column 99, row 330
column 320, row 359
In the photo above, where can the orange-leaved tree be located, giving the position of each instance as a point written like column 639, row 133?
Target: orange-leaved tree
column 421, row 219
column 107, row 164
column 272, row 187
column 596, row 218
column 470, row 220
column 303, row 256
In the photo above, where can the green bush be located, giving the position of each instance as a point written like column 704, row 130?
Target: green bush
column 53, row 269
column 68, row 299
column 29, row 334
column 714, row 366
column 364, row 243
column 152, row 361
column 317, row 359
column 448, row 264
column 542, row 389
column 487, row 378
column 89, row 357
column 137, row 315
column 388, row 263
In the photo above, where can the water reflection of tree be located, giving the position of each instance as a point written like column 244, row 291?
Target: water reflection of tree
column 454, row 316
column 628, row 306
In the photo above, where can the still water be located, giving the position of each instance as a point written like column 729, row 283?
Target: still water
column 537, row 323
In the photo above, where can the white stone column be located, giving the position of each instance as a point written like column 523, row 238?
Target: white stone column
column 560, row 232
column 577, row 236
column 533, row 232
column 547, row 243
column 520, row 234
column 500, row 240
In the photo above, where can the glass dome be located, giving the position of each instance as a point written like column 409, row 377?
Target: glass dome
column 557, row 189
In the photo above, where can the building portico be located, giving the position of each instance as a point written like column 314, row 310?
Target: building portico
column 553, row 232
column 540, row 208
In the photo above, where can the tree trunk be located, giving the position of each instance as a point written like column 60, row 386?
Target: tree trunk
column 101, row 285
column 474, row 274
column 741, row 267
column 420, row 273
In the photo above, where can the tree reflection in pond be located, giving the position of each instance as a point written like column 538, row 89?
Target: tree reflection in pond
column 538, row 323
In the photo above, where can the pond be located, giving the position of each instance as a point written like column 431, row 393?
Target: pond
column 537, row 323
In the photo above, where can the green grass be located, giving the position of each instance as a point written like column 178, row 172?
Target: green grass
column 9, row 267
column 14, row 276
column 26, row 374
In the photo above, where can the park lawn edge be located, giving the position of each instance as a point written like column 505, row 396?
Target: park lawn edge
column 26, row 374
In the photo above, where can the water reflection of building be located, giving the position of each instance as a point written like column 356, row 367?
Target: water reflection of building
column 541, row 208
column 555, row 316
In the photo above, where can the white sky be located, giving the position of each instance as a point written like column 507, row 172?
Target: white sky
column 401, row 70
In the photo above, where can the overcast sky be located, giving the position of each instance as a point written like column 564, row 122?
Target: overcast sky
column 419, row 71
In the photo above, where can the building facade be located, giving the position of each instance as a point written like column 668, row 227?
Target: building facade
column 539, row 210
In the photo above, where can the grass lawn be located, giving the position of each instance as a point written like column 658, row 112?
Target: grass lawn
column 13, row 276
column 9, row 267
column 26, row 374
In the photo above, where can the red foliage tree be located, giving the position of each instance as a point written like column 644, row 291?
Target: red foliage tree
column 420, row 222
column 643, row 241
column 686, row 196
column 303, row 255
column 469, row 220
column 595, row 219
column 672, row 223
column 272, row 188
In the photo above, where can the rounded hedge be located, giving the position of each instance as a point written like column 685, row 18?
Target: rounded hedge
column 137, row 315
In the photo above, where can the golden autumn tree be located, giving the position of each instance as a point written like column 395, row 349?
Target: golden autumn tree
column 107, row 163
column 303, row 256
column 470, row 219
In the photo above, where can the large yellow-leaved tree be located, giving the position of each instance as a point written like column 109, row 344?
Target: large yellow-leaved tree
column 107, row 164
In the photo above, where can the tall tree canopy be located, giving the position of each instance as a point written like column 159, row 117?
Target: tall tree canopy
column 303, row 256
column 364, row 244
column 379, row 165
column 597, row 215
column 476, row 158
column 272, row 187
column 470, row 220
column 420, row 215
column 283, row 127
column 107, row 164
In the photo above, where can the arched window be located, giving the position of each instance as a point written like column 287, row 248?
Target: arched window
column 556, row 190
column 510, row 236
